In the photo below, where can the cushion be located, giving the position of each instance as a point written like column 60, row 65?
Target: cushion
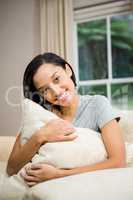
column 13, row 188
column 126, row 123
column 110, row 184
column 86, row 149
column 95, row 185
column 3, row 167
column 6, row 145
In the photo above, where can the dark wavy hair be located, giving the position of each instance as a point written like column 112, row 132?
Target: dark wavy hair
column 29, row 89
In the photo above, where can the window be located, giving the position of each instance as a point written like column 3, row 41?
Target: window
column 105, row 57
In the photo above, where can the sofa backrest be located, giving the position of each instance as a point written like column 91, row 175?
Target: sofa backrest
column 126, row 124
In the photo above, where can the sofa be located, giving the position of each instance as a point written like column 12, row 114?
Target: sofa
column 111, row 184
column 6, row 145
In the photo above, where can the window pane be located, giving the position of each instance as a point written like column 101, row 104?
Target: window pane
column 122, row 46
column 93, row 90
column 122, row 95
column 92, row 50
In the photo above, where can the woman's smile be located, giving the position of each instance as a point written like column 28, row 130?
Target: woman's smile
column 64, row 97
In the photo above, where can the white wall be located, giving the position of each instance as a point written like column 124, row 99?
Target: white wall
column 19, row 42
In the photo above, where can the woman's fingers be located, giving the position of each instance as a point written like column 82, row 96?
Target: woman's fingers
column 29, row 178
column 30, row 184
column 55, row 130
column 69, row 130
column 36, row 166
column 68, row 137
column 31, row 172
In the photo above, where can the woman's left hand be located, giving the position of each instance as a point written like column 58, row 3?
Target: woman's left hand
column 37, row 173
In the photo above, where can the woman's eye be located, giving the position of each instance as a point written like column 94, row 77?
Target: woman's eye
column 56, row 80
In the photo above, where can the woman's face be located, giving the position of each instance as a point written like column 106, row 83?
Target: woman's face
column 54, row 84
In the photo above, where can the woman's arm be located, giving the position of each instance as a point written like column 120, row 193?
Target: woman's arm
column 115, row 147
column 114, row 144
column 21, row 155
column 55, row 130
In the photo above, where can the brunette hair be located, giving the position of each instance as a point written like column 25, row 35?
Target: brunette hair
column 29, row 89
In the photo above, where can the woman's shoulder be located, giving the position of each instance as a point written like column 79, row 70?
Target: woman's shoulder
column 94, row 99
column 92, row 103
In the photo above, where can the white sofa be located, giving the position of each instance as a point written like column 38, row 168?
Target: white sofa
column 6, row 144
column 111, row 184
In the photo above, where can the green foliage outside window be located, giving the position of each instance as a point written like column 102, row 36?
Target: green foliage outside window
column 92, row 48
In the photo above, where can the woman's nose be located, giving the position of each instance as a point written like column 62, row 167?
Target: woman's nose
column 55, row 89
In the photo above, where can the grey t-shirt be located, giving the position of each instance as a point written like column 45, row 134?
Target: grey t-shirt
column 93, row 112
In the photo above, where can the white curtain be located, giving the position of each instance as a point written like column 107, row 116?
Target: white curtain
column 57, row 27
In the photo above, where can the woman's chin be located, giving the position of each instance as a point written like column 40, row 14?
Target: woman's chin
column 63, row 103
column 66, row 102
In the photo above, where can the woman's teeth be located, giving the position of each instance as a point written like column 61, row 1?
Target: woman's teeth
column 62, row 96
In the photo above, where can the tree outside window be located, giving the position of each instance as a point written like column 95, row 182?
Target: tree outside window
column 105, row 56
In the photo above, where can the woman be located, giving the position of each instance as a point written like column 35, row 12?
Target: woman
column 50, row 81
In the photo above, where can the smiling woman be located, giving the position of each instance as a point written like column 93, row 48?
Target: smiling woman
column 50, row 81
column 57, row 86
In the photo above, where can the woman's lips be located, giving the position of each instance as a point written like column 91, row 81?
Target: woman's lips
column 64, row 96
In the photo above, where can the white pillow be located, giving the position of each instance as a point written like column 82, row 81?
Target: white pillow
column 86, row 149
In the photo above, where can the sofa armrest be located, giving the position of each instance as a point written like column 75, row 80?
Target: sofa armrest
column 6, row 145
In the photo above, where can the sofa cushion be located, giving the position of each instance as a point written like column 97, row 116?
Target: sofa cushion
column 3, row 167
column 126, row 123
column 111, row 184
column 6, row 144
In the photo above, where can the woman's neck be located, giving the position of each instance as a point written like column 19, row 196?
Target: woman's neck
column 68, row 113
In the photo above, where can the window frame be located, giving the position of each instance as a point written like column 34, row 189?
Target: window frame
column 110, row 80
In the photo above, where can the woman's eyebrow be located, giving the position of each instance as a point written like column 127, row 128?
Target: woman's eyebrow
column 54, row 74
column 50, row 77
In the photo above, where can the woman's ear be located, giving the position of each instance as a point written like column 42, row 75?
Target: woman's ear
column 68, row 70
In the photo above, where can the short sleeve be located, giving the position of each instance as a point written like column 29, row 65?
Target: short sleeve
column 104, row 111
